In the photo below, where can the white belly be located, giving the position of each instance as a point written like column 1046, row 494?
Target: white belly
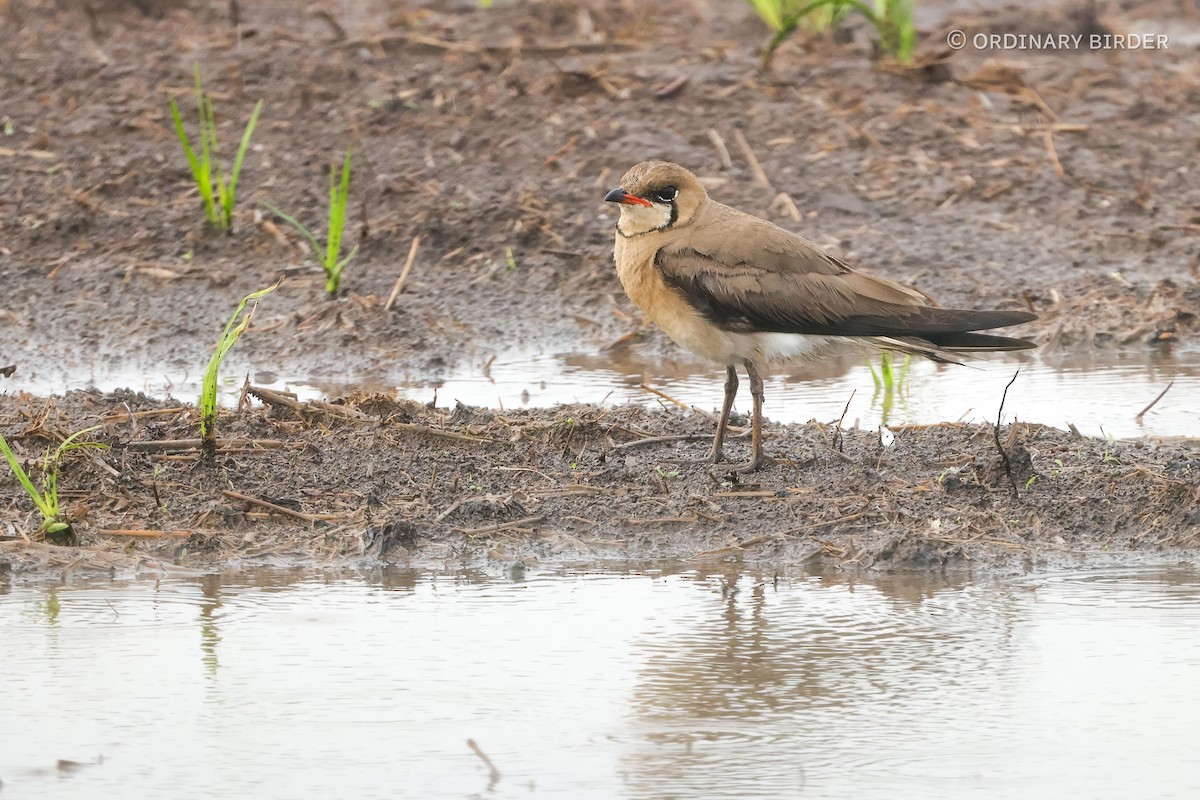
column 762, row 349
column 773, row 348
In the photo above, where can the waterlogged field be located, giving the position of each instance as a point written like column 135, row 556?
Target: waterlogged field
column 483, row 138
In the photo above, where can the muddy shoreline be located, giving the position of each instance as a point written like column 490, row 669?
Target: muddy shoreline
column 378, row 479
column 1061, row 182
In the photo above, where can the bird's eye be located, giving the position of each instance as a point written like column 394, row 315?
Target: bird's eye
column 666, row 194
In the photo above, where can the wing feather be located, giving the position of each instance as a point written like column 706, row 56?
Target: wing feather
column 802, row 290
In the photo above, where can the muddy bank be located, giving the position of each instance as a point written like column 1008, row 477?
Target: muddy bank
column 1058, row 181
column 372, row 477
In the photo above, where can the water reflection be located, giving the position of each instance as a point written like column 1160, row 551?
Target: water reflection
column 210, row 635
column 782, row 675
column 652, row 681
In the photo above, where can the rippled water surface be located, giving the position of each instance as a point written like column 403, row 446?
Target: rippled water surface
column 604, row 685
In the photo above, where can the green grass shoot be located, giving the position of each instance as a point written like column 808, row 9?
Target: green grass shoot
column 889, row 382
column 218, row 192
column 892, row 20
column 888, row 378
column 46, row 500
column 331, row 262
column 782, row 17
column 208, row 393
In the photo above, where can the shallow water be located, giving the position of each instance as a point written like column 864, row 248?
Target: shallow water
column 604, row 684
column 1100, row 394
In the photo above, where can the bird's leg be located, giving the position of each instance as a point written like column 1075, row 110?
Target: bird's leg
column 759, row 459
column 731, row 387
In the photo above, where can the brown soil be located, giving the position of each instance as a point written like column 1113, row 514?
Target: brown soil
column 395, row 480
column 1064, row 181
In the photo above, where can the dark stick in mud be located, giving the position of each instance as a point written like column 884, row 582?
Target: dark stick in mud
column 1154, row 402
column 836, row 443
column 996, row 436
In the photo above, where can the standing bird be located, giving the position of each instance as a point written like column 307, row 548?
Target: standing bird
column 737, row 289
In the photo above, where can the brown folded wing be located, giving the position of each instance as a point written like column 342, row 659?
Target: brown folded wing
column 802, row 290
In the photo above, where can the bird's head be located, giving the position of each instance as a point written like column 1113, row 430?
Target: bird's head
column 657, row 196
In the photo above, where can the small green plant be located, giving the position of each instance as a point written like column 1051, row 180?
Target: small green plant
column 217, row 191
column 332, row 262
column 208, row 393
column 46, row 500
column 888, row 378
column 889, row 381
column 782, row 17
column 892, row 19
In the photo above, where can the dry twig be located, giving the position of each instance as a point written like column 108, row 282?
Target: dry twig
column 760, row 176
column 408, row 262
column 1154, row 402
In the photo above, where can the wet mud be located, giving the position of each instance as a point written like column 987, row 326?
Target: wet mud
column 374, row 478
column 1063, row 182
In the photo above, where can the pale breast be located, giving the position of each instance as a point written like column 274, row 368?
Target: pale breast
column 666, row 306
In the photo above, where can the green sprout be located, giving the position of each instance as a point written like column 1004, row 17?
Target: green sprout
column 208, row 393
column 888, row 380
column 332, row 263
column 217, row 191
column 892, row 19
column 784, row 16
column 46, row 500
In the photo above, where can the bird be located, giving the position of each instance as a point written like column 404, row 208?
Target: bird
column 741, row 291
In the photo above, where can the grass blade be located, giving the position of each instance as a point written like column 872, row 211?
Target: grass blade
column 193, row 160
column 237, row 162
column 299, row 226
column 208, row 146
column 218, row 192
column 233, row 329
column 353, row 252
column 771, row 12
column 338, row 196
column 47, row 511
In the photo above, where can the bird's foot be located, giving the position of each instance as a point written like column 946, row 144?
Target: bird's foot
column 711, row 458
column 759, row 461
